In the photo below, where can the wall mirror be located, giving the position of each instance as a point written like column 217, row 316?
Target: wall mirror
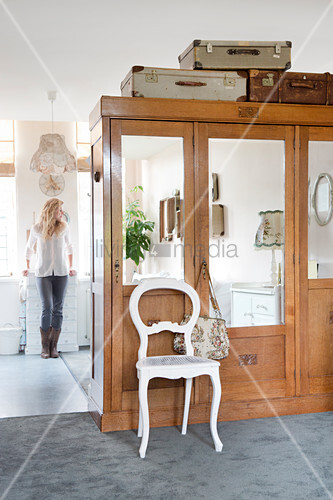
column 322, row 199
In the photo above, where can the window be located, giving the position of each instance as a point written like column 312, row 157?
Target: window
column 7, row 199
column 84, row 195
column 83, row 146
column 84, row 222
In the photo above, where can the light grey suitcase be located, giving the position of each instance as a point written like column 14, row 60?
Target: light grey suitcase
column 144, row 81
column 222, row 55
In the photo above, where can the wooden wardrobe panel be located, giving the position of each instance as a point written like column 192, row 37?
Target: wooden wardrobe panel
column 320, row 333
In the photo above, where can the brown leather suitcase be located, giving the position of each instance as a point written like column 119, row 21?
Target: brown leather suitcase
column 290, row 87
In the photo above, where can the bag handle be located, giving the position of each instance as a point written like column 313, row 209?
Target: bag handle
column 212, row 296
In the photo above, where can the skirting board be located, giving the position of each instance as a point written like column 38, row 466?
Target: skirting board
column 164, row 417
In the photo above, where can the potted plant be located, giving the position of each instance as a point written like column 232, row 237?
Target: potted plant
column 136, row 229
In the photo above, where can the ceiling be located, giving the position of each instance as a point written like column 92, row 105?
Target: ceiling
column 84, row 48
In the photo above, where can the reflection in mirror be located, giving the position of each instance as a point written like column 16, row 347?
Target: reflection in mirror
column 320, row 232
column 153, row 194
column 247, row 261
column 322, row 199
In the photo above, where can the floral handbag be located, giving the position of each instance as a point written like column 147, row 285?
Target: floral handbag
column 209, row 337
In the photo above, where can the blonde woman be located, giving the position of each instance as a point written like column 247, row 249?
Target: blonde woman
column 53, row 265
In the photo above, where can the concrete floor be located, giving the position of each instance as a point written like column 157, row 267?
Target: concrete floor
column 30, row 385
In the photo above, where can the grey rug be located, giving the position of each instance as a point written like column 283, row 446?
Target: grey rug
column 287, row 458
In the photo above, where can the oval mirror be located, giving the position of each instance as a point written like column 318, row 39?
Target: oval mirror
column 322, row 199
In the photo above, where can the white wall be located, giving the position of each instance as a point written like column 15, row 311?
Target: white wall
column 251, row 179
column 161, row 174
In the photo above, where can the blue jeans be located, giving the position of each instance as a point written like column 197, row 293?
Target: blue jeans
column 52, row 290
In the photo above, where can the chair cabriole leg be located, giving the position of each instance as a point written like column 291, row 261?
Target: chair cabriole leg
column 143, row 398
column 188, row 388
column 140, row 423
column 215, row 378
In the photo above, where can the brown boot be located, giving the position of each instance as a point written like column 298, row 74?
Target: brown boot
column 54, row 337
column 45, row 343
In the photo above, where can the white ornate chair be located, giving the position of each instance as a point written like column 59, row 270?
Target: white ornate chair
column 171, row 367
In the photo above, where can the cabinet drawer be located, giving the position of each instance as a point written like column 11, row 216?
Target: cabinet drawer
column 33, row 316
column 69, row 338
column 32, row 328
column 34, row 303
column 241, row 309
column 263, row 304
column 69, row 314
column 33, row 340
column 263, row 319
column 71, row 291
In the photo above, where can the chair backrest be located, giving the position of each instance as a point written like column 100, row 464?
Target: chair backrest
column 145, row 330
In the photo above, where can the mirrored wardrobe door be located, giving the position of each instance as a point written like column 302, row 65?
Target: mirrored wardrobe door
column 152, row 236
column 250, row 247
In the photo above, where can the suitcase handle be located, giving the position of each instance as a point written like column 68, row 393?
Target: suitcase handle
column 191, row 84
column 305, row 85
column 243, row 52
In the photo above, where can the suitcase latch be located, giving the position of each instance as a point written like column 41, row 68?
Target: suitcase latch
column 269, row 81
column 277, row 50
column 209, row 47
column 229, row 81
column 152, row 77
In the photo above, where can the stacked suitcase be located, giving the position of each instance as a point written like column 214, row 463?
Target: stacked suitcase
column 232, row 71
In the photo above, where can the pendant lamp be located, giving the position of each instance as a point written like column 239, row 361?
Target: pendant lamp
column 52, row 156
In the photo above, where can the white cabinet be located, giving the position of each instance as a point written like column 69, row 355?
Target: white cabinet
column 68, row 340
column 255, row 304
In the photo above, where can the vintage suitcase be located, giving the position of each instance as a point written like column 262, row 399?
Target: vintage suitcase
column 144, row 81
column 290, row 87
column 222, row 55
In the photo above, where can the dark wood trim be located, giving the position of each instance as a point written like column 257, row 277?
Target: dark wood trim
column 211, row 111
column 116, row 267
column 301, row 259
column 106, row 260
column 289, row 274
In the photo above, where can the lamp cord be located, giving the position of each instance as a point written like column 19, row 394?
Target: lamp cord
column 52, row 115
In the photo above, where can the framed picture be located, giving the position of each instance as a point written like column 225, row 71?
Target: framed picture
column 217, row 220
column 171, row 219
column 215, row 187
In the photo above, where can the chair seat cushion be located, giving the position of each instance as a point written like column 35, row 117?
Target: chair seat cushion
column 175, row 361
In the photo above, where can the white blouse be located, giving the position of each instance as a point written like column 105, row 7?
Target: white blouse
column 52, row 254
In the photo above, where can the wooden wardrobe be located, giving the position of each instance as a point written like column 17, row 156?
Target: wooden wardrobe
column 271, row 370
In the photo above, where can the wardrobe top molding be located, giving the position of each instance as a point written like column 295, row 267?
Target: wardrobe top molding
column 146, row 108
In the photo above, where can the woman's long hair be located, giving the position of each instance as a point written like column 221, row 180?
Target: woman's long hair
column 47, row 224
